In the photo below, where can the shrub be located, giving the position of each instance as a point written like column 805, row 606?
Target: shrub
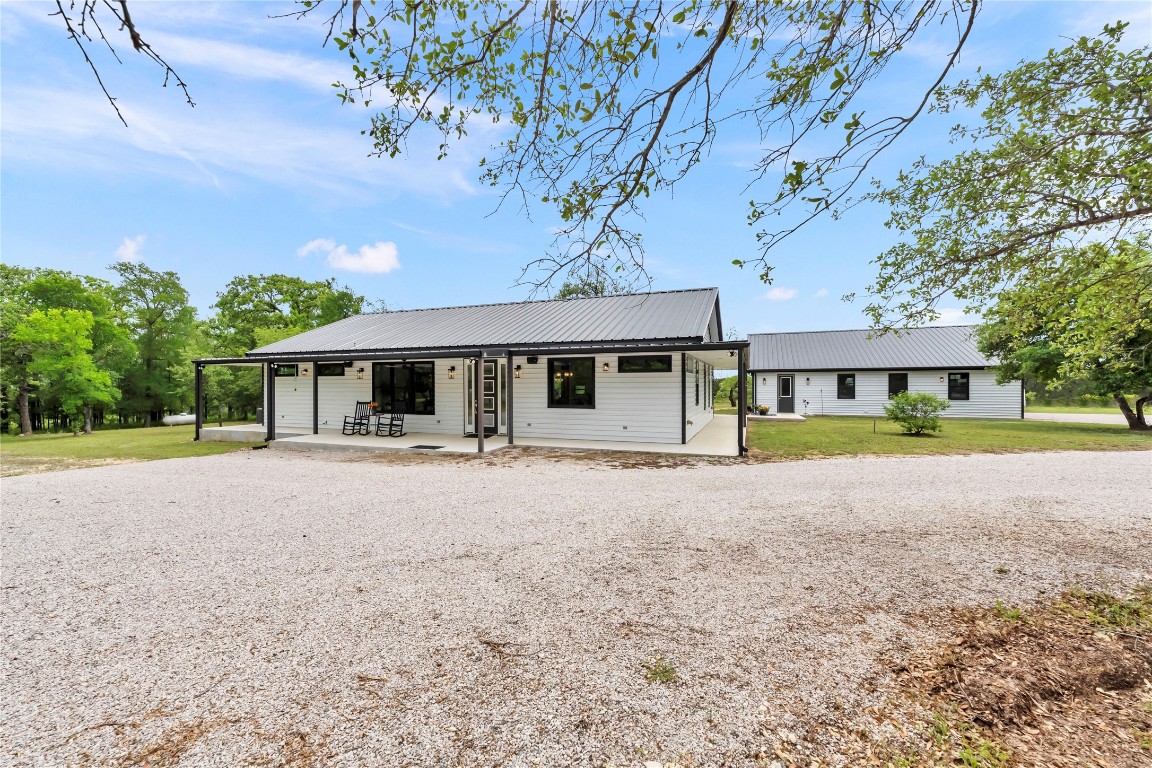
column 917, row 412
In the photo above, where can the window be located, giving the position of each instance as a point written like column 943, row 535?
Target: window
column 286, row 370
column 645, row 364
column 412, row 384
column 330, row 369
column 958, row 386
column 845, row 386
column 897, row 383
column 785, row 386
column 696, row 364
column 572, row 382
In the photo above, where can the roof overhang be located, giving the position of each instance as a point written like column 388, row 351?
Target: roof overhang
column 855, row 369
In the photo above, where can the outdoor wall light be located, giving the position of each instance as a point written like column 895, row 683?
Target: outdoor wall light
column 304, row 372
column 359, row 373
column 518, row 371
column 807, row 380
column 451, row 371
column 941, row 379
column 604, row 367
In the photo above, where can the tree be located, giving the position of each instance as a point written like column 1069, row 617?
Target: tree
column 15, row 305
column 609, row 103
column 162, row 323
column 57, row 343
column 1063, row 158
column 585, row 288
column 253, row 302
column 1090, row 321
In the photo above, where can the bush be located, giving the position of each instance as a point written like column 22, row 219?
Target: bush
column 917, row 412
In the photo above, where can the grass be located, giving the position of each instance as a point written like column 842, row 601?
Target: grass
column 822, row 436
column 48, row 453
column 661, row 671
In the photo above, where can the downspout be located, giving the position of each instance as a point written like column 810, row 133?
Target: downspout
column 270, row 387
column 511, row 376
column 683, row 398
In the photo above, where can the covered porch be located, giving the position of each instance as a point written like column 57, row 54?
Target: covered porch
column 715, row 439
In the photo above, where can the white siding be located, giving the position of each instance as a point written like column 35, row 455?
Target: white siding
column 987, row 399
column 635, row 407
column 338, row 395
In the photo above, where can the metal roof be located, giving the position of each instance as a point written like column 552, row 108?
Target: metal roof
column 667, row 315
column 950, row 346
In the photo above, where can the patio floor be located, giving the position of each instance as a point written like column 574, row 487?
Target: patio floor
column 718, row 438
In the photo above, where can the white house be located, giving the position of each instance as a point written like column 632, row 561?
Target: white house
column 851, row 373
column 634, row 368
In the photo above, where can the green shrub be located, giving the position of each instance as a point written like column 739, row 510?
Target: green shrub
column 917, row 412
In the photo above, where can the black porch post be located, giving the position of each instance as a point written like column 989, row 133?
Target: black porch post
column 741, row 393
column 199, row 411
column 683, row 398
column 478, row 386
column 315, row 398
column 270, row 388
column 511, row 379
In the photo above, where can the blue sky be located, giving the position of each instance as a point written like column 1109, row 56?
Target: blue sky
column 269, row 173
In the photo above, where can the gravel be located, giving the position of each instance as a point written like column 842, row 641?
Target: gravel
column 267, row 608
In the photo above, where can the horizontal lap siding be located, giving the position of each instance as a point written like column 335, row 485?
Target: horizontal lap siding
column 648, row 404
column 987, row 399
column 338, row 396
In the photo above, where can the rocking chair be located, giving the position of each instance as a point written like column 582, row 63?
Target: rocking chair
column 394, row 427
column 358, row 423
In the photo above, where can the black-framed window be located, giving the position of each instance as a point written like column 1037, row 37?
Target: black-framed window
column 413, row 384
column 696, row 366
column 958, row 386
column 845, row 386
column 644, row 364
column 329, row 369
column 286, row 370
column 572, row 382
column 897, row 383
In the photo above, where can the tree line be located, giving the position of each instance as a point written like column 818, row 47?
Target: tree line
column 78, row 351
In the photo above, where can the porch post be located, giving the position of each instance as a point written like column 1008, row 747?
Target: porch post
column 315, row 399
column 270, row 388
column 478, row 386
column 199, row 399
column 683, row 398
column 741, row 408
column 511, row 379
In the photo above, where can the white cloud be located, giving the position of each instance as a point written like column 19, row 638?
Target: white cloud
column 821, row 293
column 377, row 259
column 953, row 316
column 779, row 293
column 129, row 250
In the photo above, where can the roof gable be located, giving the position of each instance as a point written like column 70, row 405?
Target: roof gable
column 690, row 315
column 929, row 347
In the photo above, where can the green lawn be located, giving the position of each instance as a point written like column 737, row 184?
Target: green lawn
column 853, row 436
column 46, row 453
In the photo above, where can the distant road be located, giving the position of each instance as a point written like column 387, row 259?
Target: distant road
column 1081, row 418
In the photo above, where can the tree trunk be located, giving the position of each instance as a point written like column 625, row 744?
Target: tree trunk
column 25, row 411
column 1135, row 419
column 87, row 419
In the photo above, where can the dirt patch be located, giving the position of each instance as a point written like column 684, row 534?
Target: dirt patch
column 12, row 466
column 1064, row 684
column 513, row 455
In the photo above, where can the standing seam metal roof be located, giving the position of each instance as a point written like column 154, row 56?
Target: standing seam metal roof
column 632, row 317
column 950, row 346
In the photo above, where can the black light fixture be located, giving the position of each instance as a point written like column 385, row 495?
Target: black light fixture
column 451, row 371
column 303, row 371
column 359, row 373
column 604, row 367
column 518, row 371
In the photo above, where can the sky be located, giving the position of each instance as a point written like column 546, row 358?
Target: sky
column 269, row 172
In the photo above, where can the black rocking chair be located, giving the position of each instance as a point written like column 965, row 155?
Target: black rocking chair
column 358, row 424
column 394, row 427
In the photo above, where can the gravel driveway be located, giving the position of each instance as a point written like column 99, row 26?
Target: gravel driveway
column 269, row 608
